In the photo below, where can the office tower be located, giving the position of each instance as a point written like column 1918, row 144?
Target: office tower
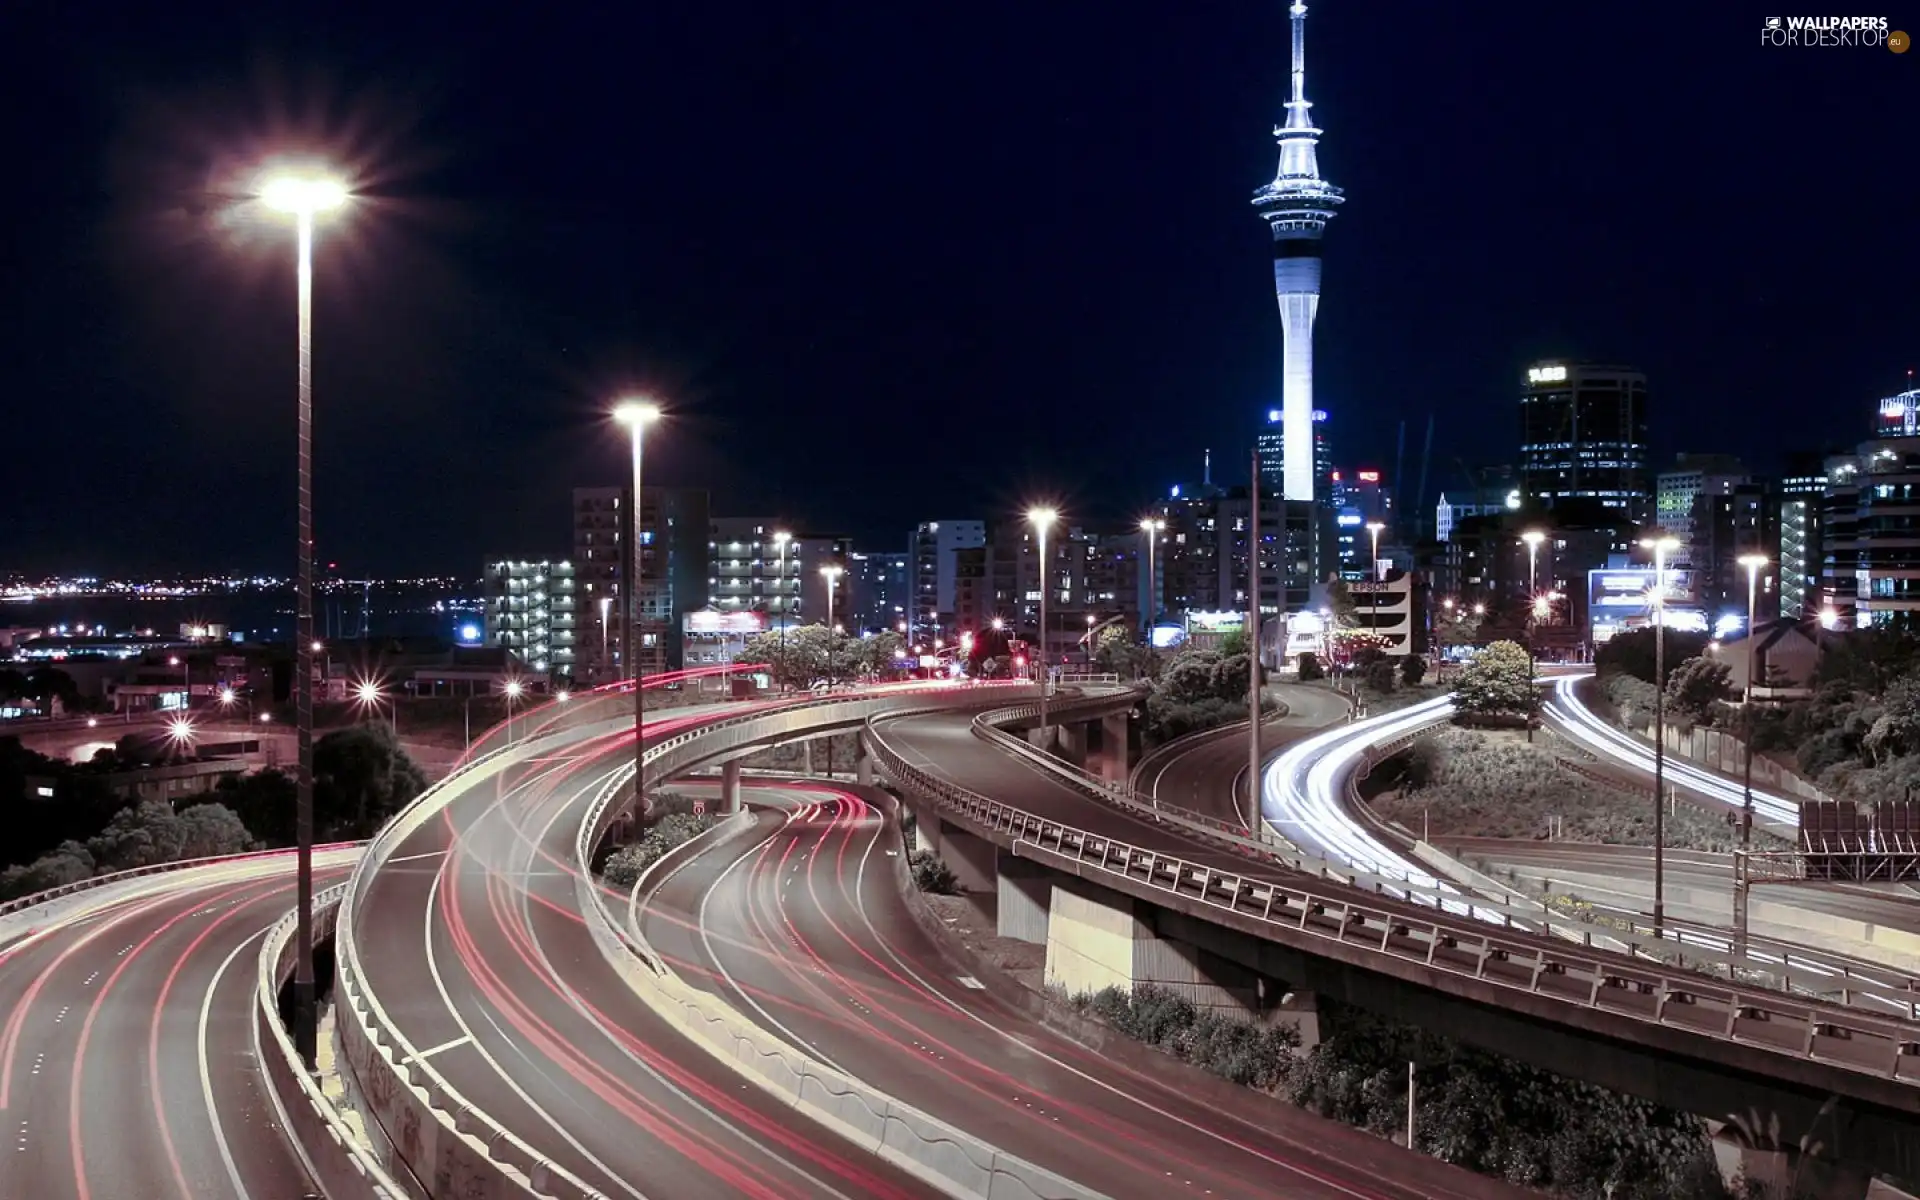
column 1726, row 525
column 1583, row 433
column 879, row 591
column 1679, row 490
column 814, row 553
column 1297, row 206
column 930, row 563
column 1797, row 514
column 1359, row 497
column 529, row 610
column 1870, row 573
column 1270, row 442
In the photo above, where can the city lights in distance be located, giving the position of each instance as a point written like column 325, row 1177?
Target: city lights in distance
column 1553, row 374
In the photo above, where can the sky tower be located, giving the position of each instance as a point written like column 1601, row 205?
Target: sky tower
column 1297, row 206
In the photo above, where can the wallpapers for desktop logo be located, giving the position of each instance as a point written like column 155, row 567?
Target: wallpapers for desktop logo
column 1833, row 32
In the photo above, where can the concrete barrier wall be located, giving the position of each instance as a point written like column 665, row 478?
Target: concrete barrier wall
column 1720, row 750
column 338, row 1164
column 950, row 1159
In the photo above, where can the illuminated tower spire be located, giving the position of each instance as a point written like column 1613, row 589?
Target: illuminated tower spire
column 1297, row 206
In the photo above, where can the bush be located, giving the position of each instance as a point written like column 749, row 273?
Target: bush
column 1697, row 689
column 1310, row 669
column 931, row 874
column 1498, row 680
column 1413, row 669
column 625, row 866
column 1489, row 785
column 1382, row 677
column 1256, row 1056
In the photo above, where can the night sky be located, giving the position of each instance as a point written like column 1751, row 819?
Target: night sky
column 889, row 262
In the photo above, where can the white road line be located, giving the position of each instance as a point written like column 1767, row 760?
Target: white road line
column 206, row 1076
column 414, row 857
column 417, row 1055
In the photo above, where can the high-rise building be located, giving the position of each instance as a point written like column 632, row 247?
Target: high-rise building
column 675, row 533
column 1679, row 490
column 1359, row 498
column 823, row 564
column 1871, row 554
column 1797, row 514
column 529, row 611
column 930, row 564
column 1726, row 526
column 1270, row 443
column 1297, row 206
column 1899, row 415
column 752, row 568
column 1583, row 433
column 879, row 590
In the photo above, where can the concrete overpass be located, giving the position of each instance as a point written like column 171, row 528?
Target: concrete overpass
column 1120, row 895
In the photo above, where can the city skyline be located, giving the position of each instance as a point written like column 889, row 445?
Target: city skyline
column 496, row 292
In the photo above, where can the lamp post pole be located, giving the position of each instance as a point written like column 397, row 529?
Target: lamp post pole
column 1253, row 644
column 1753, row 563
column 302, row 198
column 635, row 415
column 1042, row 519
column 1533, row 538
column 780, row 539
column 1660, row 546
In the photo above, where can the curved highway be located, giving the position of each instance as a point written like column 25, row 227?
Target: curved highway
column 471, row 939
column 801, row 921
column 126, row 1058
column 1207, row 772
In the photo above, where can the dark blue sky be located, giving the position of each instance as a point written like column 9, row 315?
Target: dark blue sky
column 891, row 262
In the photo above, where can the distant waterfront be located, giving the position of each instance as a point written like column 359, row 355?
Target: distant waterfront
column 264, row 615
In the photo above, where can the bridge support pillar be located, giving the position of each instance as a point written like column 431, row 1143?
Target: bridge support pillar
column 730, row 787
column 863, row 769
column 1025, row 893
column 969, row 857
column 1098, row 939
column 806, row 758
column 1116, row 750
column 1071, row 744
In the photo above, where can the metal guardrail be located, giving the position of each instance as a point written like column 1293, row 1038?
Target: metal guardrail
column 21, row 903
column 1457, row 946
column 340, row 1164
column 1825, row 976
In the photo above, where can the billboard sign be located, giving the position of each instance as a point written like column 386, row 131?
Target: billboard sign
column 1621, row 598
column 709, row 621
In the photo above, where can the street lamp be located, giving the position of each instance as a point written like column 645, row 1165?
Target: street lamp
column 1373, row 573
column 511, row 689
column 636, row 415
column 304, row 197
column 1753, row 563
column 832, row 575
column 606, row 607
column 1151, row 526
column 1043, row 519
column 1532, row 538
column 1661, row 547
column 780, row 539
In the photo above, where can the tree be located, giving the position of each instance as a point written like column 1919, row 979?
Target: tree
column 811, row 654
column 1413, row 669
column 1869, row 659
column 1634, row 652
column 1340, row 603
column 1459, row 627
column 1382, row 677
column 1117, row 651
column 1696, row 688
column 1310, row 669
column 361, row 777
column 264, row 801
column 1497, row 681
column 70, row 862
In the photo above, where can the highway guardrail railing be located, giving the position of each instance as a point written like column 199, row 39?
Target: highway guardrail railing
column 1854, row 983
column 1437, row 943
column 333, row 1155
column 21, row 903
column 949, row 1158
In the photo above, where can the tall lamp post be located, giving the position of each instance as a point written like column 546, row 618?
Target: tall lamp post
column 303, row 198
column 1533, row 538
column 606, row 607
column 1373, row 573
column 636, row 415
column 780, row 539
column 1661, row 546
column 1753, row 563
column 1042, row 520
column 1152, row 527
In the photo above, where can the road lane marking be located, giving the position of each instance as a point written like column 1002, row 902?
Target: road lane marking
column 969, row 981
column 206, row 1076
column 415, row 857
column 454, row 1043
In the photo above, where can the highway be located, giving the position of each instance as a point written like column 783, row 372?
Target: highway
column 802, row 923
column 471, row 939
column 1207, row 772
column 126, row 1058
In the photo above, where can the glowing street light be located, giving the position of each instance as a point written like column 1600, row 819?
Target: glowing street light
column 636, row 414
column 780, row 539
column 562, row 696
column 1152, row 527
column 831, row 574
column 226, row 696
column 1042, row 520
column 1753, row 563
column 304, row 196
column 1661, row 546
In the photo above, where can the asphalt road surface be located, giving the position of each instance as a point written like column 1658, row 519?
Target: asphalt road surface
column 472, row 940
column 126, row 1056
column 801, row 923
column 1208, row 773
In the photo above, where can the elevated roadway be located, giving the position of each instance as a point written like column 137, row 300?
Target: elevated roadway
column 802, row 920
column 126, row 1066
column 1207, row 772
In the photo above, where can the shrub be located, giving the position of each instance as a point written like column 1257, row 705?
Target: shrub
column 931, row 874
column 1310, row 669
column 1382, row 677
column 1413, row 669
column 1499, row 679
column 1239, row 1051
column 624, row 866
column 1697, row 687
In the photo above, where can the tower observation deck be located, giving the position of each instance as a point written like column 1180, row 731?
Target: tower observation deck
column 1297, row 206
